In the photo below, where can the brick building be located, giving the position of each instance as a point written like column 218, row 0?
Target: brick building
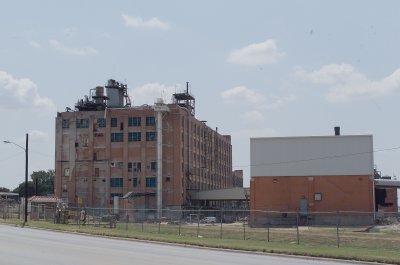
column 316, row 174
column 159, row 154
column 312, row 174
column 237, row 178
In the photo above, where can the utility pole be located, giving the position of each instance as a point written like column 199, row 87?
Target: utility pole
column 26, row 176
column 26, row 179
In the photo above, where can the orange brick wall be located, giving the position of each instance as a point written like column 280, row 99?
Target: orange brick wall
column 338, row 193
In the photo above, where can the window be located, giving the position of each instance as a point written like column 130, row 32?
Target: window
column 150, row 136
column 114, row 122
column 134, row 121
column 150, row 121
column 84, row 139
column 117, row 137
column 120, row 165
column 65, row 124
column 66, row 172
column 134, row 136
column 82, row 123
column 134, row 166
column 116, row 182
column 101, row 122
column 135, row 182
column 151, row 182
column 317, row 196
column 153, row 166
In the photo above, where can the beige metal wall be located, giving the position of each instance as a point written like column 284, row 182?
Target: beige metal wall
column 312, row 156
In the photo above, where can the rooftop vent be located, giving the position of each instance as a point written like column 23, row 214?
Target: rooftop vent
column 337, row 131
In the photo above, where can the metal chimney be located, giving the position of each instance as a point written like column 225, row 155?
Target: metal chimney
column 159, row 107
column 337, row 131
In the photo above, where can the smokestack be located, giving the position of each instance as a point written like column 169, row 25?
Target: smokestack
column 337, row 131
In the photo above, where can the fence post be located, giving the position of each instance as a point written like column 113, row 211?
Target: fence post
column 159, row 223
column 337, row 228
column 220, row 231
column 99, row 216
column 78, row 217
column 198, row 222
column 297, row 226
column 267, row 227
column 179, row 229
column 126, row 220
column 142, row 224
column 244, row 230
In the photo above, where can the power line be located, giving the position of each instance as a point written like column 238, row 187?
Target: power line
column 36, row 152
column 7, row 158
column 320, row 158
column 31, row 151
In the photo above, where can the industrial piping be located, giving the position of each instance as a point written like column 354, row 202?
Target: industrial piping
column 159, row 108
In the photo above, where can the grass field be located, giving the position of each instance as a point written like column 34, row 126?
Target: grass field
column 377, row 244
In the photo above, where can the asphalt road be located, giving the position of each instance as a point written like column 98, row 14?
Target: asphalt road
column 23, row 246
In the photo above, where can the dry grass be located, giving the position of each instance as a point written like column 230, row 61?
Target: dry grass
column 380, row 244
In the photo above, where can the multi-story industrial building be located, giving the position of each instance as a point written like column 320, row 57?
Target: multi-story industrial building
column 157, row 155
column 237, row 178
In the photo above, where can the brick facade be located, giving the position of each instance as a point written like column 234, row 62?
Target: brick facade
column 100, row 154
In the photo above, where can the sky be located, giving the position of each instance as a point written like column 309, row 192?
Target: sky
column 256, row 69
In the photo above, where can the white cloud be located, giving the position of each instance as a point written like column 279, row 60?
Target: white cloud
column 22, row 92
column 252, row 116
column 332, row 74
column 38, row 135
column 262, row 53
column 138, row 22
column 241, row 94
column 73, row 51
column 69, row 32
column 278, row 102
column 148, row 93
column 346, row 83
column 245, row 95
column 35, row 44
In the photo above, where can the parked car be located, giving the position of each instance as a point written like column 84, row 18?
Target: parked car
column 243, row 219
column 209, row 220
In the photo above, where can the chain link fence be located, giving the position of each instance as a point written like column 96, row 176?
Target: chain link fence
column 327, row 228
column 10, row 209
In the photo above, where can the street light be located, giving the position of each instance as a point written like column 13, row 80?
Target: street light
column 26, row 174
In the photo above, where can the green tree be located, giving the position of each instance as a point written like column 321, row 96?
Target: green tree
column 3, row 189
column 21, row 189
column 45, row 181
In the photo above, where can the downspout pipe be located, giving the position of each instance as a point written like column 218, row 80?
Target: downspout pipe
column 159, row 108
